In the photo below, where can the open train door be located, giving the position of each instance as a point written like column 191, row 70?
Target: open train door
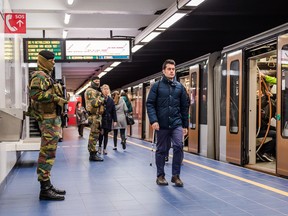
column 234, row 107
column 282, row 106
column 193, row 141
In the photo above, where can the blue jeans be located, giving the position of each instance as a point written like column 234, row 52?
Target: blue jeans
column 164, row 139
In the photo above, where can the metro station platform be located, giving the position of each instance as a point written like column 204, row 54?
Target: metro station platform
column 124, row 185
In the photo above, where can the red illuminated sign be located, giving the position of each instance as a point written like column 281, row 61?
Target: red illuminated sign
column 15, row 23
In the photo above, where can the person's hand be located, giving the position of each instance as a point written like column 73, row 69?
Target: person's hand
column 185, row 131
column 155, row 126
column 60, row 101
column 114, row 124
column 262, row 75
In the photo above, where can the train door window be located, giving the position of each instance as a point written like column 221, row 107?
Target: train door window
column 284, row 100
column 193, row 100
column 234, row 96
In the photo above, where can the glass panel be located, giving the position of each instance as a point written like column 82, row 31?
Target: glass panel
column 137, row 111
column 193, row 100
column 234, row 97
column 223, row 91
column 203, row 93
column 284, row 91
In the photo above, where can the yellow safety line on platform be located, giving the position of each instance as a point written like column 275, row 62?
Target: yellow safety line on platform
column 275, row 190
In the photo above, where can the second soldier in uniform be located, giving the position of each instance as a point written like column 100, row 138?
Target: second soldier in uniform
column 95, row 108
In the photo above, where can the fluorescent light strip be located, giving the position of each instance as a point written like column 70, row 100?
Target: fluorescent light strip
column 64, row 33
column 70, row 2
column 67, row 18
column 136, row 47
column 82, row 89
column 195, row 2
column 102, row 74
column 174, row 18
column 115, row 64
column 150, row 37
column 108, row 69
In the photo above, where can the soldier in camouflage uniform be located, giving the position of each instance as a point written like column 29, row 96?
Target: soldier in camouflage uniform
column 46, row 97
column 95, row 107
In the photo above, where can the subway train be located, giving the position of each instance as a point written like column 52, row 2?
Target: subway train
column 234, row 112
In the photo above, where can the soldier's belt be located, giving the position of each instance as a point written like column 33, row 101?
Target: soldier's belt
column 49, row 116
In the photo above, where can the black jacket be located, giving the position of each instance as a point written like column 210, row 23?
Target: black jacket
column 167, row 104
column 109, row 114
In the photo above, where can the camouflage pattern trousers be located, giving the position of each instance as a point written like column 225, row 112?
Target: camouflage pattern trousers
column 95, row 125
column 50, row 130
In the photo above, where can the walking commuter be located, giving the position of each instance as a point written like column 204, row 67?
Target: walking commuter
column 81, row 117
column 167, row 110
column 121, row 125
column 127, row 101
column 95, row 108
column 47, row 102
column 108, row 116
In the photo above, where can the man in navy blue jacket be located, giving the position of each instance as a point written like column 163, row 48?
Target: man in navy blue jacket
column 168, row 114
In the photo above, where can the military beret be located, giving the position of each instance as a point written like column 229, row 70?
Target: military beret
column 47, row 54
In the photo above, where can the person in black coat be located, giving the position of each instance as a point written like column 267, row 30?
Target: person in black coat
column 108, row 116
column 167, row 109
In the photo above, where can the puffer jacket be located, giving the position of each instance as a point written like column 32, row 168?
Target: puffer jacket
column 167, row 104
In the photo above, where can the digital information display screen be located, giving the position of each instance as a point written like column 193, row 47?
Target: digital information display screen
column 33, row 46
column 97, row 50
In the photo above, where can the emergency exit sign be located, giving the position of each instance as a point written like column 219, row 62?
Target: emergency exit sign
column 15, row 23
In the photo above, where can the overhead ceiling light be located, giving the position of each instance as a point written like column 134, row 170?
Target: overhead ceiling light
column 82, row 89
column 115, row 64
column 64, row 33
column 174, row 18
column 136, row 47
column 102, row 74
column 150, row 37
column 108, row 69
column 70, row 2
column 67, row 18
column 195, row 3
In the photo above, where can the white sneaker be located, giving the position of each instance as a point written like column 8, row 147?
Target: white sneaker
column 105, row 151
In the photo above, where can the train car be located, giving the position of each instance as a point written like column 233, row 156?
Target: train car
column 227, row 92
column 243, row 94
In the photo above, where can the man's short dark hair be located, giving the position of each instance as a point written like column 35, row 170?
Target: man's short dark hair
column 95, row 78
column 168, row 61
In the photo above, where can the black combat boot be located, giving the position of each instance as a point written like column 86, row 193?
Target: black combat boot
column 47, row 192
column 95, row 157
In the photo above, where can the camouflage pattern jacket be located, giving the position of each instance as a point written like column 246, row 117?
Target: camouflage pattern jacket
column 94, row 102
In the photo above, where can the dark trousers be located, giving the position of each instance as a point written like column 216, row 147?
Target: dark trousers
column 80, row 129
column 122, row 135
column 269, row 147
column 164, row 139
column 105, row 137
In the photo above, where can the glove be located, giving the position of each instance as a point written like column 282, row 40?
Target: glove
column 60, row 101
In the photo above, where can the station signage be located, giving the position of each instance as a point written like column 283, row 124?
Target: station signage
column 15, row 23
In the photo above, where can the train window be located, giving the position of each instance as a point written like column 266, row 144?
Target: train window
column 234, row 97
column 284, row 90
column 193, row 100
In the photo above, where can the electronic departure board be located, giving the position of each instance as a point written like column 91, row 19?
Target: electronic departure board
column 32, row 46
column 97, row 50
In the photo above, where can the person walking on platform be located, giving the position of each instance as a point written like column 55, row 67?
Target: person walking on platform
column 121, row 109
column 167, row 110
column 95, row 108
column 47, row 102
column 108, row 117
column 81, row 117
